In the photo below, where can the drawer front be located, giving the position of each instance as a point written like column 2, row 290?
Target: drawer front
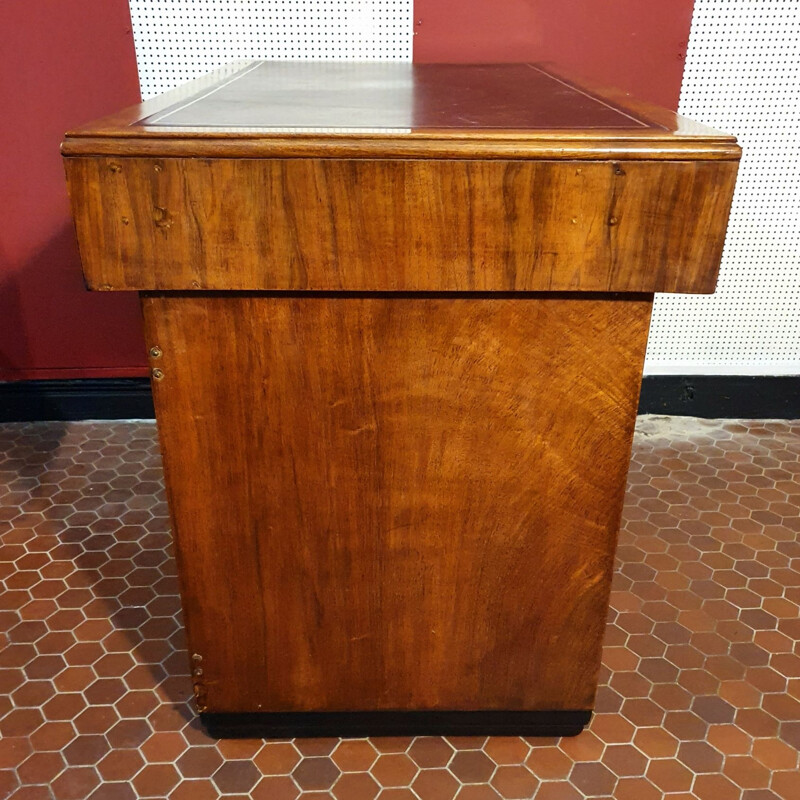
column 400, row 225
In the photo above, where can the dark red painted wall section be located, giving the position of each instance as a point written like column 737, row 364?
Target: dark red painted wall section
column 635, row 45
column 61, row 64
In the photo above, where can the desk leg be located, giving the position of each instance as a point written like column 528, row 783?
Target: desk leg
column 396, row 504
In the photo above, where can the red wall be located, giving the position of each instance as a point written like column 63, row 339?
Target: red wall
column 61, row 64
column 635, row 45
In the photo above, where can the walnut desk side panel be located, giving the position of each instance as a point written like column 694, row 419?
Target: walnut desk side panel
column 396, row 503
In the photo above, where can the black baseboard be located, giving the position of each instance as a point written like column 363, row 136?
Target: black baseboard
column 722, row 396
column 62, row 400
column 709, row 396
column 287, row 725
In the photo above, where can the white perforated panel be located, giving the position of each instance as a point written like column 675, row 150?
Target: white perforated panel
column 177, row 40
column 743, row 76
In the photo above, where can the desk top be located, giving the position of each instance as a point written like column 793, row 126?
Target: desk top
column 386, row 109
column 402, row 97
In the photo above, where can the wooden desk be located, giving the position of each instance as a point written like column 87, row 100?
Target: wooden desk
column 396, row 318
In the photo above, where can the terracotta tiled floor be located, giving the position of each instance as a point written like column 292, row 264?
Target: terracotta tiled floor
column 700, row 694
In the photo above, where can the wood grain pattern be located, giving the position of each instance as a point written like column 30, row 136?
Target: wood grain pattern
column 416, row 225
column 394, row 503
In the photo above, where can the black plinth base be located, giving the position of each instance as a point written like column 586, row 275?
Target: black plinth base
column 286, row 725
